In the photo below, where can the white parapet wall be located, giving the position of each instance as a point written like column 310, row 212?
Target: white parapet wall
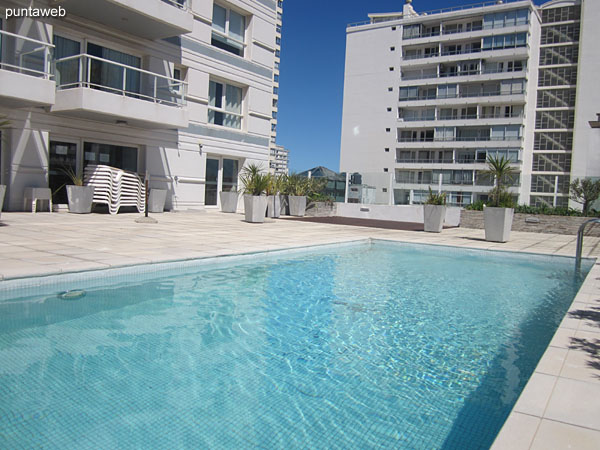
column 398, row 213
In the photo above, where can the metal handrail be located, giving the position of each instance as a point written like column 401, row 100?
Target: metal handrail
column 580, row 242
column 20, row 62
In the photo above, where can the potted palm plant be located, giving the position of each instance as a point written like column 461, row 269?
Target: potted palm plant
column 80, row 197
column 498, row 215
column 434, row 212
column 255, row 184
column 273, row 195
column 297, row 189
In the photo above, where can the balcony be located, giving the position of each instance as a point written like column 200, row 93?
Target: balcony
column 465, row 73
column 25, row 77
column 150, row 19
column 99, row 89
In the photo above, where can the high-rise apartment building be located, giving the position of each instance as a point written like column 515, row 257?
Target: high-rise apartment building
column 177, row 88
column 429, row 96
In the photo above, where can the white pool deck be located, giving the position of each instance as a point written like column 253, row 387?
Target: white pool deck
column 560, row 406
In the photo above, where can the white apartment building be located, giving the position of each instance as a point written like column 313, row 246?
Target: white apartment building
column 182, row 89
column 279, row 163
column 428, row 96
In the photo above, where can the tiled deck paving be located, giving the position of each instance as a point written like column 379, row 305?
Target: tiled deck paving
column 560, row 406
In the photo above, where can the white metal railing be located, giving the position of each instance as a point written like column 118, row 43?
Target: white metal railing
column 98, row 73
column 25, row 55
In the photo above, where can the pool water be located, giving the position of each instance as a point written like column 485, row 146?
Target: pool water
column 380, row 345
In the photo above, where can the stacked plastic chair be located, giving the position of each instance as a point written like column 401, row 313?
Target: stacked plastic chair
column 115, row 187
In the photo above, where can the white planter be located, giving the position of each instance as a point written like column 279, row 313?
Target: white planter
column 229, row 201
column 156, row 200
column 2, row 192
column 297, row 205
column 80, row 199
column 285, row 205
column 273, row 206
column 255, row 208
column 433, row 218
column 498, row 222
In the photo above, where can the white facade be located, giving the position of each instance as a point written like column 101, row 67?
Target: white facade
column 279, row 161
column 427, row 96
column 179, row 88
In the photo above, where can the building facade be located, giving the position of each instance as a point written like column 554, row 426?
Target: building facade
column 429, row 96
column 279, row 160
column 181, row 89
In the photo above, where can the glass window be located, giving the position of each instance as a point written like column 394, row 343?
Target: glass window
column 63, row 156
column 225, row 105
column 111, row 155
column 67, row 72
column 109, row 77
column 229, row 28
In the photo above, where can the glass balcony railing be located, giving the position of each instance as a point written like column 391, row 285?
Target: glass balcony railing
column 463, row 73
column 25, row 55
column 92, row 72
column 459, row 139
column 464, row 117
column 460, row 52
column 461, row 95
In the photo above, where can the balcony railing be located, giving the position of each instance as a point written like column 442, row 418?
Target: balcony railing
column 461, row 139
column 459, row 52
column 458, row 74
column 25, row 55
column 462, row 95
column 483, row 182
column 446, row 161
column 183, row 4
column 87, row 71
column 465, row 117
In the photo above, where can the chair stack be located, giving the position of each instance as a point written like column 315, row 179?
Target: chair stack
column 115, row 187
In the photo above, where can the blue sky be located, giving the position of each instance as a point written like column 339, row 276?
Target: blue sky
column 312, row 73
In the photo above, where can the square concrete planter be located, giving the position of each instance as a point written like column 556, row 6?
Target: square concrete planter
column 285, row 205
column 273, row 206
column 80, row 199
column 498, row 222
column 156, row 200
column 297, row 205
column 255, row 208
column 2, row 192
column 229, row 201
column 433, row 218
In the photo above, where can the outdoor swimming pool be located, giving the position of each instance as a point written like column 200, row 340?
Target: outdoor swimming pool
column 359, row 346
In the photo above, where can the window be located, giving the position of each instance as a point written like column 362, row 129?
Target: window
column 506, row 19
column 228, row 30
column 551, row 162
column 277, row 53
column 567, row 54
column 103, row 73
column 276, row 78
column 557, row 76
column 225, row 105
column 112, row 155
column 386, row 150
column 560, row 14
column 554, row 119
column 67, row 72
column 275, row 90
column 391, row 69
column 277, row 41
column 553, row 141
column 385, row 169
column 505, row 41
column 555, row 34
column 392, row 49
column 556, row 98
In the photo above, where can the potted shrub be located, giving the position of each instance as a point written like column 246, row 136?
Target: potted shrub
column 273, row 196
column 297, row 189
column 80, row 197
column 255, row 184
column 434, row 212
column 229, row 201
column 498, row 215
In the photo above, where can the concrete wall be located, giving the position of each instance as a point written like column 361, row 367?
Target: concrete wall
column 547, row 224
column 397, row 213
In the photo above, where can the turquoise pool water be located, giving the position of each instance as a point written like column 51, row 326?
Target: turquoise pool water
column 366, row 346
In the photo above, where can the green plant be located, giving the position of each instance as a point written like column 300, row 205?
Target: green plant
column 77, row 180
column 4, row 122
column 436, row 198
column 254, row 181
column 503, row 174
column 585, row 192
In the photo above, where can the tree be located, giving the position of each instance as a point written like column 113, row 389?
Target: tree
column 502, row 172
column 585, row 192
